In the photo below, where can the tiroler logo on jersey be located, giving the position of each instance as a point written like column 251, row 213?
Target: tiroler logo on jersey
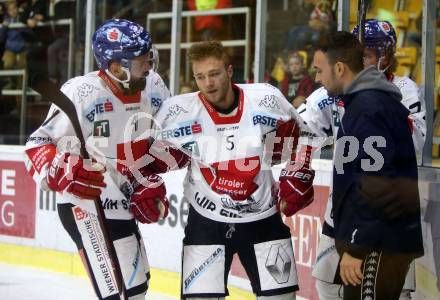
column 101, row 128
column 185, row 129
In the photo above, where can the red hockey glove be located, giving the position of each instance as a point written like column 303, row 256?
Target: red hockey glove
column 160, row 157
column 167, row 157
column 148, row 201
column 296, row 184
column 279, row 144
column 68, row 173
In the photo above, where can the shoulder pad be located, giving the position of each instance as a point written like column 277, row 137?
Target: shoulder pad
column 79, row 88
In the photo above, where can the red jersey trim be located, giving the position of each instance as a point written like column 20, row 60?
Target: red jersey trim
column 126, row 99
column 221, row 120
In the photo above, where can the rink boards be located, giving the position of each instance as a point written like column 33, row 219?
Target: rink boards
column 31, row 234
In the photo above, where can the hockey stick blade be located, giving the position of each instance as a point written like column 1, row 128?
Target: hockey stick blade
column 50, row 92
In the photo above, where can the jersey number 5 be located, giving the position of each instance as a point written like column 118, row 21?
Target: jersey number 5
column 230, row 142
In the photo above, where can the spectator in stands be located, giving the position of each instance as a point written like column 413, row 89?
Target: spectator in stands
column 14, row 55
column 271, row 72
column 297, row 85
column 320, row 23
column 35, row 12
column 15, row 40
column 208, row 27
column 9, row 131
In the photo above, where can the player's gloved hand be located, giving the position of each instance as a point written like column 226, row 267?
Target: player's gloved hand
column 393, row 197
column 279, row 143
column 166, row 157
column 296, row 183
column 295, row 190
column 69, row 173
column 148, row 201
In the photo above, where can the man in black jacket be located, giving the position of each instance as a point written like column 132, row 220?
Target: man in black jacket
column 375, row 194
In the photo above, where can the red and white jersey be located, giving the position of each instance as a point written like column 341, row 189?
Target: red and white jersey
column 110, row 123
column 323, row 115
column 228, row 180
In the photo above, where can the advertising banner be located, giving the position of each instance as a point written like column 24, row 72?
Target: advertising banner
column 17, row 200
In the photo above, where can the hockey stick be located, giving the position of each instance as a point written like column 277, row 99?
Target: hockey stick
column 50, row 92
column 363, row 6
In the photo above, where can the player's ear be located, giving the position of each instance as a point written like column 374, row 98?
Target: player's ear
column 230, row 71
column 116, row 69
column 339, row 69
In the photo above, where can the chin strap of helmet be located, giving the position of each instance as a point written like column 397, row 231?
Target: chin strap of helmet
column 154, row 58
column 126, row 82
column 379, row 61
column 382, row 52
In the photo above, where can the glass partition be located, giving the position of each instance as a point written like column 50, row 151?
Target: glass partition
column 293, row 29
column 231, row 22
column 54, row 44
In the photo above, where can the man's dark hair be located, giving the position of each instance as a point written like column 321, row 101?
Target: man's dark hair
column 342, row 46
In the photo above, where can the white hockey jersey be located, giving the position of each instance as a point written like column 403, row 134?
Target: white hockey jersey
column 115, row 127
column 323, row 115
column 228, row 180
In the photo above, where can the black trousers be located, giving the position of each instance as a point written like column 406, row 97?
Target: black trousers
column 384, row 276
column 240, row 239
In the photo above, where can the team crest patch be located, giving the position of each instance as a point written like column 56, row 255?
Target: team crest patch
column 114, row 35
column 385, row 26
column 101, row 128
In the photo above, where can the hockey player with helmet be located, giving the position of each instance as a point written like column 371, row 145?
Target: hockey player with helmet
column 323, row 114
column 224, row 129
column 115, row 106
column 380, row 48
